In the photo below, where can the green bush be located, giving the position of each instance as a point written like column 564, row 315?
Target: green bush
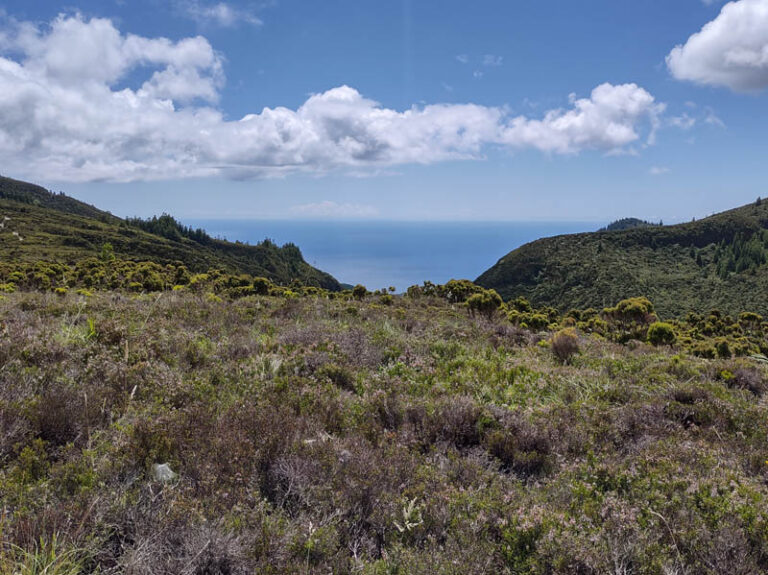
column 359, row 292
column 661, row 333
column 485, row 303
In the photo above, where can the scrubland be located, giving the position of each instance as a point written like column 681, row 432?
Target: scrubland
column 376, row 435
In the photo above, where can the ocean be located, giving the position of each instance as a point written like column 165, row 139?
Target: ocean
column 379, row 254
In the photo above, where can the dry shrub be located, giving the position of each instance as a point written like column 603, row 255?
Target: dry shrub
column 57, row 415
column 14, row 430
column 358, row 348
column 459, row 422
column 694, row 406
column 522, row 448
column 185, row 550
column 388, row 410
column 749, row 378
column 565, row 344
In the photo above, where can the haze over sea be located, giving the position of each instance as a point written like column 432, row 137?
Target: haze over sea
column 379, row 254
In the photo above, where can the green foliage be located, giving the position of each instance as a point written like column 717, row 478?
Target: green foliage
column 359, row 292
column 631, row 311
column 46, row 557
column 661, row 333
column 458, row 291
column 485, row 303
column 167, row 227
column 62, row 229
column 627, row 224
column 107, row 253
column 727, row 271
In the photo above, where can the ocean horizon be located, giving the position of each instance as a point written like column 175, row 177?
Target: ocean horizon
column 379, row 254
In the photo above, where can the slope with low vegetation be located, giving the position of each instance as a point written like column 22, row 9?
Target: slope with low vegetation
column 36, row 225
column 443, row 431
column 718, row 262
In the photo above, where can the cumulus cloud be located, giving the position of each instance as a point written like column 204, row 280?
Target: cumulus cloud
column 67, row 114
column 658, row 170
column 219, row 14
column 730, row 51
column 607, row 120
column 329, row 209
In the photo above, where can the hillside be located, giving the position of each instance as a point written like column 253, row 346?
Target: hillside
column 371, row 434
column 39, row 225
column 717, row 262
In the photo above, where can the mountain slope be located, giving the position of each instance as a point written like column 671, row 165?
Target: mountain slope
column 36, row 224
column 717, row 262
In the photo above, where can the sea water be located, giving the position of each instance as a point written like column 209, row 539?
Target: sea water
column 379, row 254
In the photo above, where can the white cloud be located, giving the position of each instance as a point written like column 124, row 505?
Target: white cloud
column 608, row 120
column 712, row 119
column 219, row 14
column 492, row 61
column 462, row 58
column 731, row 50
column 684, row 121
column 329, row 209
column 659, row 170
column 72, row 119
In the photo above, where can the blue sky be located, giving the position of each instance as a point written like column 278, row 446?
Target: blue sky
column 489, row 110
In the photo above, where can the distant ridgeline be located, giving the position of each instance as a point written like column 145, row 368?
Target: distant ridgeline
column 628, row 224
column 720, row 262
column 37, row 225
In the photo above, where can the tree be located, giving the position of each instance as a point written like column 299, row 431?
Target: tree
column 107, row 253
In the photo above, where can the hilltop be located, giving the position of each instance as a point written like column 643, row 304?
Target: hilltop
column 717, row 262
column 41, row 225
column 627, row 224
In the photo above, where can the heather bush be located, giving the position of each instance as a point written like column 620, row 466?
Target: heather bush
column 564, row 345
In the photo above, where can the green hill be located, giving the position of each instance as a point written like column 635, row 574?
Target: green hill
column 717, row 262
column 627, row 224
column 36, row 224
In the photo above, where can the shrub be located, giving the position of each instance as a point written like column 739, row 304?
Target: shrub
column 485, row 303
column 359, row 292
column 565, row 344
column 750, row 379
column 722, row 348
column 261, row 286
column 661, row 333
column 527, row 455
column 704, row 349
column 338, row 375
column 457, row 291
column 530, row 320
column 632, row 310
